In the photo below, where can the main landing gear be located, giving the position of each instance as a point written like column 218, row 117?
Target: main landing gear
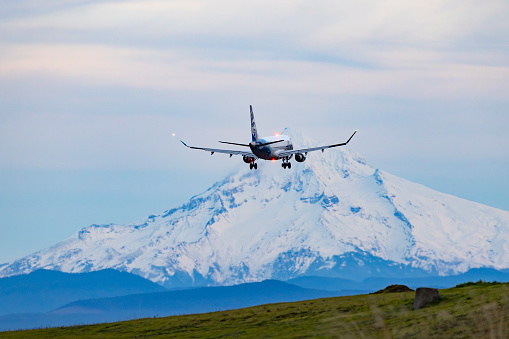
column 253, row 165
column 286, row 164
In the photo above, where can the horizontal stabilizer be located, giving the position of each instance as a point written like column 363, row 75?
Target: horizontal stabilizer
column 233, row 143
column 268, row 143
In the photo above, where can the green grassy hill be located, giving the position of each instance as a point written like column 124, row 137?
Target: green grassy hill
column 472, row 310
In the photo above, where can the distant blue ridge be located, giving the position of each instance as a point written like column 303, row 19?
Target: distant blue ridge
column 44, row 290
column 199, row 300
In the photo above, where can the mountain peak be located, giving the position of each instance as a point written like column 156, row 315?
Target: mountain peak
column 332, row 215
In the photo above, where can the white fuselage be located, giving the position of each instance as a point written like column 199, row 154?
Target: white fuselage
column 271, row 151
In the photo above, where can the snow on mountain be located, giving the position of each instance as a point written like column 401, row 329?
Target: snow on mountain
column 333, row 215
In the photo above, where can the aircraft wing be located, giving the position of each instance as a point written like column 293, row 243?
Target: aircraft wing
column 311, row 149
column 226, row 151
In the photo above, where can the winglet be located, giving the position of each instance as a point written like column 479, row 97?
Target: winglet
column 184, row 143
column 351, row 137
column 344, row 143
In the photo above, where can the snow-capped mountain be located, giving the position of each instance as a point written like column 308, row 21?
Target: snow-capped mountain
column 332, row 215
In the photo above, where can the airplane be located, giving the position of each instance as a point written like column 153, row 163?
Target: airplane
column 279, row 147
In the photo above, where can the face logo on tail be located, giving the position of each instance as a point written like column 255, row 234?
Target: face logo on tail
column 254, row 135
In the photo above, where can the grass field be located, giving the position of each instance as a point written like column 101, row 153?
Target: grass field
column 479, row 310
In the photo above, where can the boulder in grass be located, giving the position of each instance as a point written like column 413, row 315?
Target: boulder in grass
column 424, row 296
column 394, row 289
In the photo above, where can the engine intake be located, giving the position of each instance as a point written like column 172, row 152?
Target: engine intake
column 299, row 157
column 247, row 159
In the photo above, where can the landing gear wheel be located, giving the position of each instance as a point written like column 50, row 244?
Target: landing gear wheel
column 251, row 166
column 255, row 165
column 289, row 165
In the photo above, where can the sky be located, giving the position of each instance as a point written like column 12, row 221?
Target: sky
column 92, row 93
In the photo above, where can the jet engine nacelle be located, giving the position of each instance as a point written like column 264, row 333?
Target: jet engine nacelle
column 247, row 159
column 299, row 157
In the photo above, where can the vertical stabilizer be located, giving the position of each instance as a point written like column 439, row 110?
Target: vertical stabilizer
column 254, row 132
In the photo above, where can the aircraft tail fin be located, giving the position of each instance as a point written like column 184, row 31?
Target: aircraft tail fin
column 254, row 132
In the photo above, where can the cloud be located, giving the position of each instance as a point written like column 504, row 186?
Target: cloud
column 436, row 49
column 437, row 55
column 332, row 26
column 185, row 70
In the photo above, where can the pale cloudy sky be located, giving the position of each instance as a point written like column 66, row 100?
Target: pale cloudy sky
column 91, row 92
